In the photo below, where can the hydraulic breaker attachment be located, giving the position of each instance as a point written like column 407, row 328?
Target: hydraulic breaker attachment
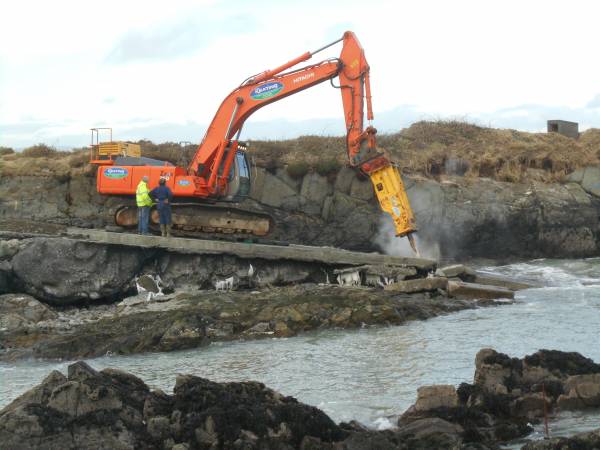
column 394, row 201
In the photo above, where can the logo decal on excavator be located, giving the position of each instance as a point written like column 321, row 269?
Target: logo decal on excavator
column 184, row 182
column 266, row 90
column 115, row 172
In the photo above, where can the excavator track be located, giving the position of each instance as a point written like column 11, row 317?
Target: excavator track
column 194, row 217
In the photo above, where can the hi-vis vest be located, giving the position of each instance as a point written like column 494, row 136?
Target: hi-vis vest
column 142, row 197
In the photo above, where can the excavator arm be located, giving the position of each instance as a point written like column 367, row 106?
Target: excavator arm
column 214, row 157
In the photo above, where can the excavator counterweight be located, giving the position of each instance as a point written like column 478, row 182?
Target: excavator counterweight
column 219, row 170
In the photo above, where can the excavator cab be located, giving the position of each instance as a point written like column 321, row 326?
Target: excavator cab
column 239, row 183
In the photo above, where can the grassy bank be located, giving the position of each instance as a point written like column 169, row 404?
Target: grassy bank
column 429, row 149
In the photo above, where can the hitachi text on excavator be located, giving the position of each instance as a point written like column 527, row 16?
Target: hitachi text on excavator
column 219, row 173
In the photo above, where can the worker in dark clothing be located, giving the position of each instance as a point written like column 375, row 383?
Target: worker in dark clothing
column 163, row 197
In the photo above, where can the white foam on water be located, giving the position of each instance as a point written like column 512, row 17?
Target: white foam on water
column 383, row 423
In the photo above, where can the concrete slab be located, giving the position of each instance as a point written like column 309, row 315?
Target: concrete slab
column 457, row 270
column 490, row 280
column 327, row 255
column 477, row 291
column 418, row 285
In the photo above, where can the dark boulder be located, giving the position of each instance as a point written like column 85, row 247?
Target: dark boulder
column 62, row 271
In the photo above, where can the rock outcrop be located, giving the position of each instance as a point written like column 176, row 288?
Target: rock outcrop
column 459, row 217
column 90, row 409
column 193, row 319
column 64, row 271
column 19, row 311
column 58, row 270
column 113, row 409
column 581, row 441
column 508, row 393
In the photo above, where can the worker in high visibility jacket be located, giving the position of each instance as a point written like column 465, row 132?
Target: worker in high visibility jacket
column 144, row 203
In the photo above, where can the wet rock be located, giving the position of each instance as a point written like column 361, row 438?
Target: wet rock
column 581, row 391
column 582, row 441
column 508, row 393
column 93, row 271
column 495, row 372
column 113, row 409
column 22, row 310
column 193, row 319
column 422, row 428
column 477, row 291
column 437, row 396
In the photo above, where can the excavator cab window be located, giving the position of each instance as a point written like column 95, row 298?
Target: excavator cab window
column 239, row 178
column 244, row 174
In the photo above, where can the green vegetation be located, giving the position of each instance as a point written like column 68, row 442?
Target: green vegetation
column 297, row 169
column 328, row 166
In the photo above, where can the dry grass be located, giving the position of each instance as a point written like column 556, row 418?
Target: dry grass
column 430, row 149
column 61, row 165
column 433, row 149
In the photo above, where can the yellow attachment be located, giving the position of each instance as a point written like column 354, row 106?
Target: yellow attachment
column 118, row 148
column 393, row 199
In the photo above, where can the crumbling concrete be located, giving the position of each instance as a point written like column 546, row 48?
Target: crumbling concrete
column 328, row 255
column 477, row 291
column 419, row 285
column 457, row 271
column 491, row 280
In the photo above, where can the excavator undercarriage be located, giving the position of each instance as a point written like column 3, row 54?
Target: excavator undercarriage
column 204, row 218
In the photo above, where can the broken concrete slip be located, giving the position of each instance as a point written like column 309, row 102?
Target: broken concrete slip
column 328, row 255
column 479, row 291
column 71, row 270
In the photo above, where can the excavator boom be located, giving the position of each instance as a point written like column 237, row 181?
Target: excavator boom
column 273, row 85
column 215, row 170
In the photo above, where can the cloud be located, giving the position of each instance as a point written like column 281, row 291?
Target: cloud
column 168, row 41
column 594, row 103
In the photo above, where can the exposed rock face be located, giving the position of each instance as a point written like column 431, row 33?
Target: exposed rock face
column 59, row 270
column 192, row 319
column 507, row 393
column 22, row 311
column 64, row 271
column 581, row 441
column 113, row 409
column 108, row 409
column 464, row 217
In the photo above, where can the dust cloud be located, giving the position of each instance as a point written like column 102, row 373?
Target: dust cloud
column 396, row 246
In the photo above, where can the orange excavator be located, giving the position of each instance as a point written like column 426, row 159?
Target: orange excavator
column 219, row 172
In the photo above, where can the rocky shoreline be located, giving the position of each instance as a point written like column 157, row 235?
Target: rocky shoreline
column 88, row 409
column 64, row 297
column 184, row 320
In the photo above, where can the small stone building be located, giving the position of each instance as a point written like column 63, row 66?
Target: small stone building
column 564, row 127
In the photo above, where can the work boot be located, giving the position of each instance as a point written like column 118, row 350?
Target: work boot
column 163, row 230
column 168, row 227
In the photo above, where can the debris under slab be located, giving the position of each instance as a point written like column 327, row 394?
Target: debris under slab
column 419, row 285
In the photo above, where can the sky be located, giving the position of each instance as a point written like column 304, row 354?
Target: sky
column 159, row 70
